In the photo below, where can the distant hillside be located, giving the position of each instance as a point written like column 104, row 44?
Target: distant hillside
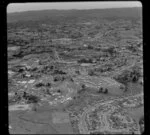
column 135, row 12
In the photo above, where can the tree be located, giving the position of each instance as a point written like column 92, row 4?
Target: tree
column 100, row 90
column 135, row 74
column 123, row 88
column 48, row 84
column 39, row 84
column 83, row 86
column 134, row 78
column 105, row 91
column 141, row 124
column 77, row 72
column 32, row 99
column 48, row 91
column 91, row 72
column 111, row 50
column 90, row 47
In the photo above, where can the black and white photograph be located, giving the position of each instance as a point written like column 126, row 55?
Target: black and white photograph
column 75, row 68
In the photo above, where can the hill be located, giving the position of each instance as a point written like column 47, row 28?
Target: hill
column 68, row 14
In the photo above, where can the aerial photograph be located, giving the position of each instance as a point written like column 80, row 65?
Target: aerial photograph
column 75, row 68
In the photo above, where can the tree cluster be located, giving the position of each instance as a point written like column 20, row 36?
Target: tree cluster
column 83, row 60
column 126, row 76
column 103, row 90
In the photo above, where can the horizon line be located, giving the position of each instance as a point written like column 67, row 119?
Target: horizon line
column 71, row 9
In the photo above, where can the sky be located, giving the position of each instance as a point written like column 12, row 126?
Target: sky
column 19, row 7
